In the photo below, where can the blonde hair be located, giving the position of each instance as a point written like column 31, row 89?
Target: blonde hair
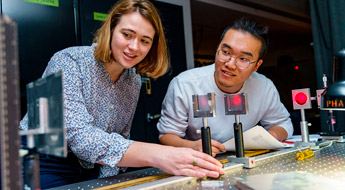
column 156, row 63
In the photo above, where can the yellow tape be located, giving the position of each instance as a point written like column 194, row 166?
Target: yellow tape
column 134, row 182
column 247, row 153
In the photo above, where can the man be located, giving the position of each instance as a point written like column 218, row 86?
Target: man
column 239, row 55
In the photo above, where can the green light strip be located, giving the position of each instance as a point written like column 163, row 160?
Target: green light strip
column 99, row 16
column 54, row 3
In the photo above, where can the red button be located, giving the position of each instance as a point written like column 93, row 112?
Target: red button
column 301, row 98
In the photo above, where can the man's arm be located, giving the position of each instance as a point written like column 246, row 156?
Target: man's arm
column 278, row 132
column 174, row 140
column 276, row 118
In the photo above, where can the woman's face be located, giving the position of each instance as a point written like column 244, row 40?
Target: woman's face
column 132, row 39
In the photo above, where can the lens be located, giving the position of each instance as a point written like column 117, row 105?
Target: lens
column 242, row 63
column 221, row 57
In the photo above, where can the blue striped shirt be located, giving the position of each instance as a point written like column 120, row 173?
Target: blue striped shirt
column 98, row 112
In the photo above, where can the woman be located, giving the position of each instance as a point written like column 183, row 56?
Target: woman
column 101, row 89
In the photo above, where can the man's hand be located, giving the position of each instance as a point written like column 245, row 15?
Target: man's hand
column 174, row 140
column 217, row 147
column 278, row 132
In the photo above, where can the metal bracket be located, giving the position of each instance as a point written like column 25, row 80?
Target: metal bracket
column 249, row 162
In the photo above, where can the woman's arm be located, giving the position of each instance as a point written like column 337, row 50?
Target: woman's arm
column 176, row 161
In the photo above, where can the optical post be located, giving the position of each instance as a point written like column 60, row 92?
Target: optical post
column 301, row 100
column 46, row 132
column 204, row 106
column 236, row 104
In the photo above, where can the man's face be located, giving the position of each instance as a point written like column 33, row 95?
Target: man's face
column 229, row 78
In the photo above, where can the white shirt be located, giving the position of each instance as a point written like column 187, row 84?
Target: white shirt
column 177, row 110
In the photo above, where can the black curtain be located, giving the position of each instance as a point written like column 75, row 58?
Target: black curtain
column 328, row 25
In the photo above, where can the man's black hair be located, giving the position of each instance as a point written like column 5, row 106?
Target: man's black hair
column 254, row 28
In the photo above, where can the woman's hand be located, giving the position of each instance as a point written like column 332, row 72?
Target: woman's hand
column 172, row 160
column 187, row 162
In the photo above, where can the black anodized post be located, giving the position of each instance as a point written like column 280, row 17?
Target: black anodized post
column 206, row 140
column 239, row 145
